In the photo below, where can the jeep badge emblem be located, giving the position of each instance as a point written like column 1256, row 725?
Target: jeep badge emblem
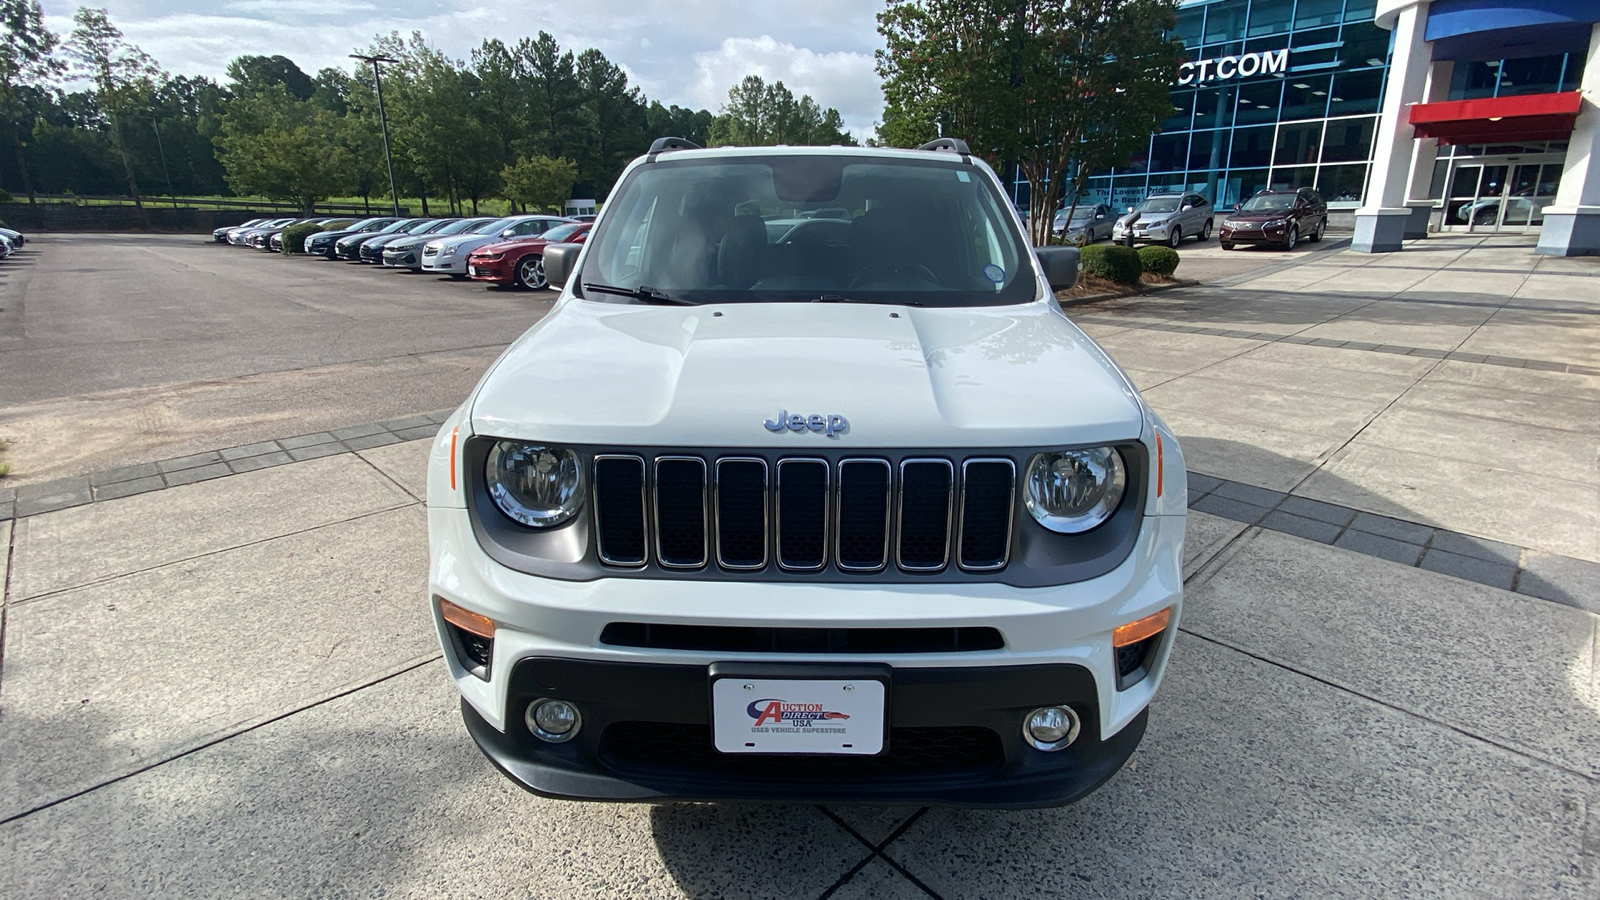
column 832, row 426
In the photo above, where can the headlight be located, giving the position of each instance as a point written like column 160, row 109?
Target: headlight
column 1073, row 491
column 489, row 257
column 448, row 251
column 1275, row 223
column 535, row 484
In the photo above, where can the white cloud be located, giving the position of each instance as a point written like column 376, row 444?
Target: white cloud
column 843, row 79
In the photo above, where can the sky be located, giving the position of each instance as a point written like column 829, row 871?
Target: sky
column 685, row 52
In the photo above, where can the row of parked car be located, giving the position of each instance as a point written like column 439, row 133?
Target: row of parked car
column 1275, row 217
column 505, row 250
column 10, row 242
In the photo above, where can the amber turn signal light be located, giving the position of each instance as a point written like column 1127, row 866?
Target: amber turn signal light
column 470, row 622
column 1134, row 632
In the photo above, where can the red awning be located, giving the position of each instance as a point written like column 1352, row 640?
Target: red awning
column 1493, row 120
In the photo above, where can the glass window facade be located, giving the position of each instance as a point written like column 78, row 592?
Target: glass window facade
column 1281, row 93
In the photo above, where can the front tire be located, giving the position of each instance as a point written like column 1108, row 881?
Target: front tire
column 1205, row 232
column 1174, row 237
column 529, row 273
column 1316, row 235
column 1227, row 245
column 1292, row 238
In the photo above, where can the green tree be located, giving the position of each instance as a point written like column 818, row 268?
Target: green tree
column 613, row 121
column 677, row 121
column 1060, row 87
column 253, row 74
column 539, row 182
column 124, row 76
column 282, row 148
column 25, row 63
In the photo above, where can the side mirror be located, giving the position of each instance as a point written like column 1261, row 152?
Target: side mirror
column 1187, row 207
column 1130, row 209
column 1236, row 206
column 559, row 260
column 1060, row 266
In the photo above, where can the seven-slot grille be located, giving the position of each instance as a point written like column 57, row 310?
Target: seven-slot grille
column 801, row 514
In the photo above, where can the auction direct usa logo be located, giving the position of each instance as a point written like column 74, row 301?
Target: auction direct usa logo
column 777, row 712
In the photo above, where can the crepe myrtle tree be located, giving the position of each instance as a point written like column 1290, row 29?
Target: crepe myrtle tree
column 539, row 182
column 1061, row 88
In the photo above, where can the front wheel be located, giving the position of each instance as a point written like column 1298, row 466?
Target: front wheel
column 1227, row 245
column 1205, row 232
column 1174, row 237
column 1316, row 233
column 1292, row 238
column 529, row 273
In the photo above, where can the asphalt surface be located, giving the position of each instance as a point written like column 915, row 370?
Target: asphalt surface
column 121, row 349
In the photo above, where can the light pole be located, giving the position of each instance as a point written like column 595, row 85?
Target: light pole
column 156, row 122
column 383, row 120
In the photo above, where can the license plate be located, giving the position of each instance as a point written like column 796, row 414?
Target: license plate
column 752, row 715
column 479, row 270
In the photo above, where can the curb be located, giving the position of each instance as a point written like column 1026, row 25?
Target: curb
column 1138, row 292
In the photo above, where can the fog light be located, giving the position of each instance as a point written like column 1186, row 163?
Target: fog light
column 553, row 720
column 1051, row 728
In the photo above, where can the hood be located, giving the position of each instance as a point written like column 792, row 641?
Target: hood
column 513, row 246
column 460, row 240
column 1258, row 215
column 409, row 241
column 624, row 374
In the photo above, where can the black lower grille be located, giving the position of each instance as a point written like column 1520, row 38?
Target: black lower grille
column 1133, row 661
column 662, row 748
column 739, row 639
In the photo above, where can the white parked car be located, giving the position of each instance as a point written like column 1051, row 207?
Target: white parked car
column 798, row 522
column 448, row 255
column 15, row 237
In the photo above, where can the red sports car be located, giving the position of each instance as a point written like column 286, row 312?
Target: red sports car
column 521, row 262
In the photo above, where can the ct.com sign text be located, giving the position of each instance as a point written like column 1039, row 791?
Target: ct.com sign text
column 1271, row 62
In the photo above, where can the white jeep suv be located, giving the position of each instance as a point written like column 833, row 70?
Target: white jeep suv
column 847, row 514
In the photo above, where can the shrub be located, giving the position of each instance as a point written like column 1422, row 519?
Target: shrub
column 294, row 237
column 1158, row 260
column 1112, row 262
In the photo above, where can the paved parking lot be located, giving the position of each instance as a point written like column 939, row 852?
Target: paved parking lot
column 1388, row 680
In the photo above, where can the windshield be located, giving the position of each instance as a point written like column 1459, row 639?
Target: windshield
column 1266, row 202
column 435, row 226
column 560, row 233
column 1158, row 204
column 495, row 226
column 1079, row 215
column 459, row 226
column 836, row 227
column 375, row 225
column 401, row 225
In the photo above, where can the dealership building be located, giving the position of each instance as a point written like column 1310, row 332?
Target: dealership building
column 1409, row 116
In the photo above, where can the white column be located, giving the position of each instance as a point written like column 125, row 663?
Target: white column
column 1572, row 226
column 1380, row 222
column 1424, row 154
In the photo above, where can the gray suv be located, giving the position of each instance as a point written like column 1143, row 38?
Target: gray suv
column 1167, row 219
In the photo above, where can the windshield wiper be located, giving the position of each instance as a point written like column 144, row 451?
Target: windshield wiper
column 840, row 298
column 642, row 292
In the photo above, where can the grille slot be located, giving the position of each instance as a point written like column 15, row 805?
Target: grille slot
column 802, row 514
column 863, row 515
column 681, row 511
column 741, row 513
column 987, row 498
column 619, row 509
column 927, row 487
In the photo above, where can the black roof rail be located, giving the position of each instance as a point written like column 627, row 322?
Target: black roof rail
column 956, row 145
column 665, row 144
